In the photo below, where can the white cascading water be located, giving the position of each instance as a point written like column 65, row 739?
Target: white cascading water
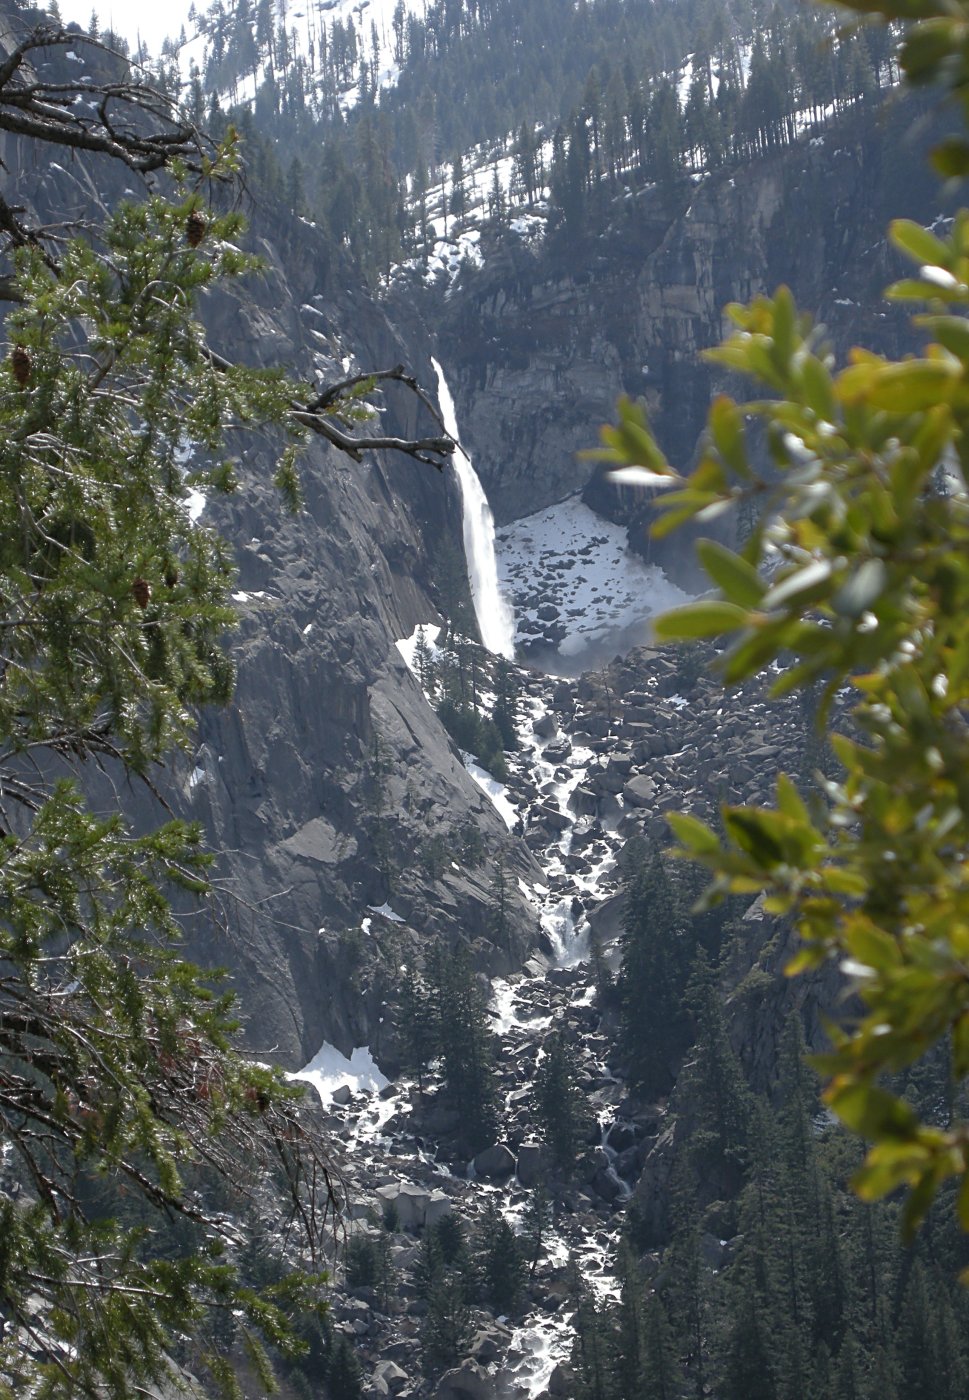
column 496, row 621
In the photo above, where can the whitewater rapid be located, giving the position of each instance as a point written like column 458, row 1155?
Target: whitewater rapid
column 496, row 621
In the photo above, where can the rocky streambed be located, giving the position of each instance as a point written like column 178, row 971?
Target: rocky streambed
column 601, row 760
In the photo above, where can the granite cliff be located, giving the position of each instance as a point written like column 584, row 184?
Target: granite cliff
column 546, row 334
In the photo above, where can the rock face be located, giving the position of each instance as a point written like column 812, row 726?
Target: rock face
column 564, row 328
column 325, row 780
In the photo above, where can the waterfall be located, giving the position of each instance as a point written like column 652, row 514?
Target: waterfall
column 496, row 621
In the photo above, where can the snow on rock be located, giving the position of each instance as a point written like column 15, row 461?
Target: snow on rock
column 196, row 503
column 387, row 912
column 575, row 583
column 493, row 789
column 407, row 646
column 329, row 1070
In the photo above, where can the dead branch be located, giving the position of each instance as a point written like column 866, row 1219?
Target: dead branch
column 433, row 451
column 76, row 115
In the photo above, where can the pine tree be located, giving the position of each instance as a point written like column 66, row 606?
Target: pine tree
column 418, row 1031
column 446, row 1326
column 661, row 1377
column 536, row 1224
column 500, row 1262
column 748, row 1360
column 424, row 661
column 719, row 1095
column 466, row 1043
column 458, row 199
column 343, row 1378
column 630, row 1366
column 124, row 1105
column 593, row 1341
column 652, row 976
column 561, row 1112
column 116, row 603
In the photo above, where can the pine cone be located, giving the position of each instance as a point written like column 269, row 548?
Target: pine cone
column 21, row 363
column 141, row 589
column 195, row 228
column 171, row 574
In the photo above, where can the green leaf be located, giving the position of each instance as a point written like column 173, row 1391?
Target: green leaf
column 920, row 245
column 818, row 388
column 912, row 386
column 695, row 835
column 951, row 158
column 789, row 800
column 871, row 1111
column 804, row 584
column 738, row 581
column 696, row 620
column 859, row 592
column 726, row 426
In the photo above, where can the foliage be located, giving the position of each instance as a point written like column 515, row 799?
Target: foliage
column 122, row 1100
column 857, row 575
column 500, row 1260
column 561, row 1112
column 443, row 1016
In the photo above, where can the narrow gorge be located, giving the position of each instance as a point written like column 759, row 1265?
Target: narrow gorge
column 577, row 1149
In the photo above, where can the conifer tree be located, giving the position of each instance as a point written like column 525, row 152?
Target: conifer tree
column 466, row 1044
column 593, row 1342
column 122, row 1100
column 500, row 1262
column 652, row 976
column 561, row 1111
column 343, row 1378
column 630, row 1363
column 661, row 1377
column 536, row 1225
column 718, row 1092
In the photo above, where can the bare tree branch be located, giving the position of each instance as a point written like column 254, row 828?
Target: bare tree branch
column 75, row 115
column 434, row 451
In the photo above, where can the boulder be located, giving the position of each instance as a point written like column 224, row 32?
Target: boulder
column 415, row 1205
column 438, row 1206
column 607, row 1186
column 392, row 1375
column 486, row 1345
column 531, row 1163
column 562, row 1381
column 342, row 1095
column 551, row 816
column 467, row 1382
column 495, row 1163
column 639, row 791
column 620, row 1136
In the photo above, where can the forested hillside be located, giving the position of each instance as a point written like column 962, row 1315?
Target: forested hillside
column 364, row 124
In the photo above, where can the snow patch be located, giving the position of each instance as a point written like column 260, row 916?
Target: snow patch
column 387, row 912
column 574, row 568
column 491, row 787
column 329, row 1069
column 407, row 646
column 196, row 502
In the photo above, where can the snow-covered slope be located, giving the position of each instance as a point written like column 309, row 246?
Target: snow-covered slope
column 577, row 589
